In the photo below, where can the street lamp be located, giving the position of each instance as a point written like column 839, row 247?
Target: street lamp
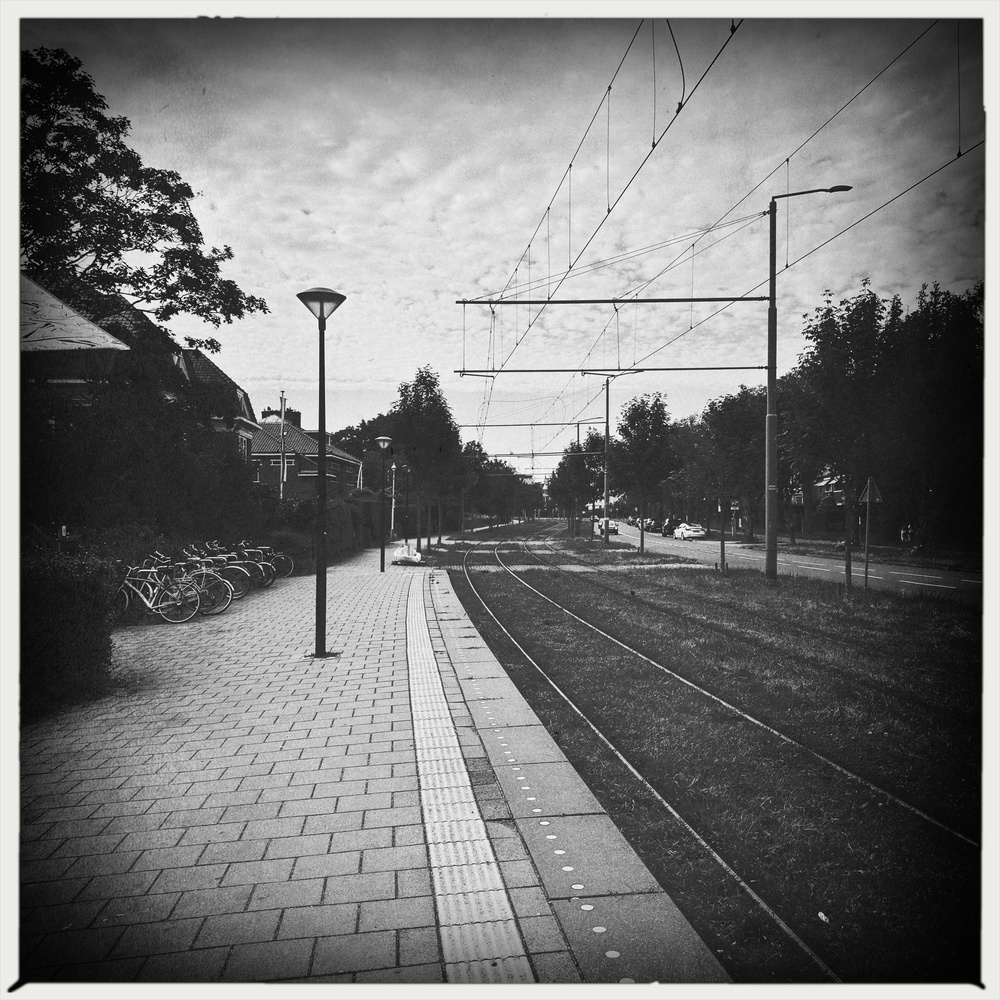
column 383, row 443
column 392, row 513
column 406, row 505
column 321, row 302
column 771, row 420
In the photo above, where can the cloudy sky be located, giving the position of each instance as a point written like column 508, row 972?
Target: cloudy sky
column 413, row 163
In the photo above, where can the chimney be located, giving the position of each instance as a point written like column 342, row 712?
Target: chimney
column 291, row 416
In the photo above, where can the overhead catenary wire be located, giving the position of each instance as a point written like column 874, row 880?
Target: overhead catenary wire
column 826, row 242
column 637, row 360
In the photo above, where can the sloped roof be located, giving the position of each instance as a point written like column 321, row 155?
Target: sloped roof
column 204, row 372
column 48, row 324
column 112, row 313
column 267, row 441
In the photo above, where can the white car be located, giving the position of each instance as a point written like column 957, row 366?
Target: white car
column 612, row 527
column 686, row 531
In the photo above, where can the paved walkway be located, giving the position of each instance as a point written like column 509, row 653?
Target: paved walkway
column 395, row 813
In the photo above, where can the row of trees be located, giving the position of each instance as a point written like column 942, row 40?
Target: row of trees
column 879, row 392
column 433, row 469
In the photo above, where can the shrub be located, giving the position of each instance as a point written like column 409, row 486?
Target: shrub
column 66, row 603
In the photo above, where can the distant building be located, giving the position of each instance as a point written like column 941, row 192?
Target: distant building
column 301, row 458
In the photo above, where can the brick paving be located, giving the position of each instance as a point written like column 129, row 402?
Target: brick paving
column 249, row 813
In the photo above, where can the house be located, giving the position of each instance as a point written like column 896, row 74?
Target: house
column 218, row 395
column 72, row 334
column 301, row 454
column 62, row 350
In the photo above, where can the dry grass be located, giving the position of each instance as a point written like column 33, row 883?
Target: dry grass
column 887, row 686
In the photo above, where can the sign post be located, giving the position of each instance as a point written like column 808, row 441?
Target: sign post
column 870, row 493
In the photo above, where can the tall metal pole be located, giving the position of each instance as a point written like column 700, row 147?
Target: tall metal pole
column 771, row 423
column 381, row 519
column 321, row 499
column 607, row 437
column 392, row 513
column 281, row 481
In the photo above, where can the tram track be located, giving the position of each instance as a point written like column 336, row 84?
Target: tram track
column 763, row 626
column 618, row 732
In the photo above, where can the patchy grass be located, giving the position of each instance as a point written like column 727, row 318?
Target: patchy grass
column 888, row 686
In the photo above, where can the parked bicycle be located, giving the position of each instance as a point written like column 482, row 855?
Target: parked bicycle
column 173, row 601
column 228, row 565
column 216, row 592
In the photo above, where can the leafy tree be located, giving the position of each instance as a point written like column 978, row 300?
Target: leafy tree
column 91, row 208
column 734, row 429
column 427, row 438
column 847, row 374
column 643, row 456
column 571, row 483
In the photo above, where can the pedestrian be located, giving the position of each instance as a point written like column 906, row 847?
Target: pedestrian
column 904, row 534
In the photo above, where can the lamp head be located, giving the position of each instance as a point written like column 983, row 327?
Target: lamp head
column 383, row 442
column 840, row 187
column 321, row 302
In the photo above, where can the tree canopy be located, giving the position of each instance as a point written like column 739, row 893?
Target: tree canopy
column 91, row 208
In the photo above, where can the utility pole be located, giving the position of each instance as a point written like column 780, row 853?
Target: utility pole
column 281, row 481
column 607, row 437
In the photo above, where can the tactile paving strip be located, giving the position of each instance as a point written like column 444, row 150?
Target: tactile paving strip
column 480, row 938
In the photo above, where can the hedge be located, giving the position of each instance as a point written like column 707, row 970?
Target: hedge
column 66, row 604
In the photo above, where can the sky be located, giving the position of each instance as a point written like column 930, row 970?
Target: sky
column 414, row 163
column 411, row 163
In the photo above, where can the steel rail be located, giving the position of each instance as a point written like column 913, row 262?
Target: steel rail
column 744, row 715
column 726, row 867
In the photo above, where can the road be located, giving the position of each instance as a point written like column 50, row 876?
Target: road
column 885, row 576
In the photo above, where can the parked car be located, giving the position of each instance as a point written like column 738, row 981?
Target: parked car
column 670, row 525
column 687, row 531
column 612, row 527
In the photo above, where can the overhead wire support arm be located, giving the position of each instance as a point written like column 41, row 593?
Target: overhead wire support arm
column 607, row 302
column 621, row 371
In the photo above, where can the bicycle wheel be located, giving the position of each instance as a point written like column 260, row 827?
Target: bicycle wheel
column 256, row 571
column 238, row 578
column 216, row 594
column 269, row 574
column 283, row 564
column 178, row 602
column 119, row 607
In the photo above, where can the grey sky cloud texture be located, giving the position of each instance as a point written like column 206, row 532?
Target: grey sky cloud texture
column 408, row 163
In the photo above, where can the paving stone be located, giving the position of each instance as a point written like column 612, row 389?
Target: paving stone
column 202, row 966
column 309, row 921
column 354, row 952
column 358, row 888
column 70, row 947
column 233, row 850
column 403, row 976
column 168, row 857
column 238, row 928
column 270, row 961
column 417, row 911
column 326, row 865
column 277, row 895
column 125, row 884
column 64, row 916
column 102, row 864
column 122, row 970
column 203, row 902
column 137, row 909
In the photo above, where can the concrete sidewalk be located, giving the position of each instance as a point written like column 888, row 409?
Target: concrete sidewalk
column 395, row 813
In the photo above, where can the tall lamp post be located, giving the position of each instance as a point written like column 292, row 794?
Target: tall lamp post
column 383, row 443
column 406, row 505
column 392, row 510
column 321, row 302
column 771, row 421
